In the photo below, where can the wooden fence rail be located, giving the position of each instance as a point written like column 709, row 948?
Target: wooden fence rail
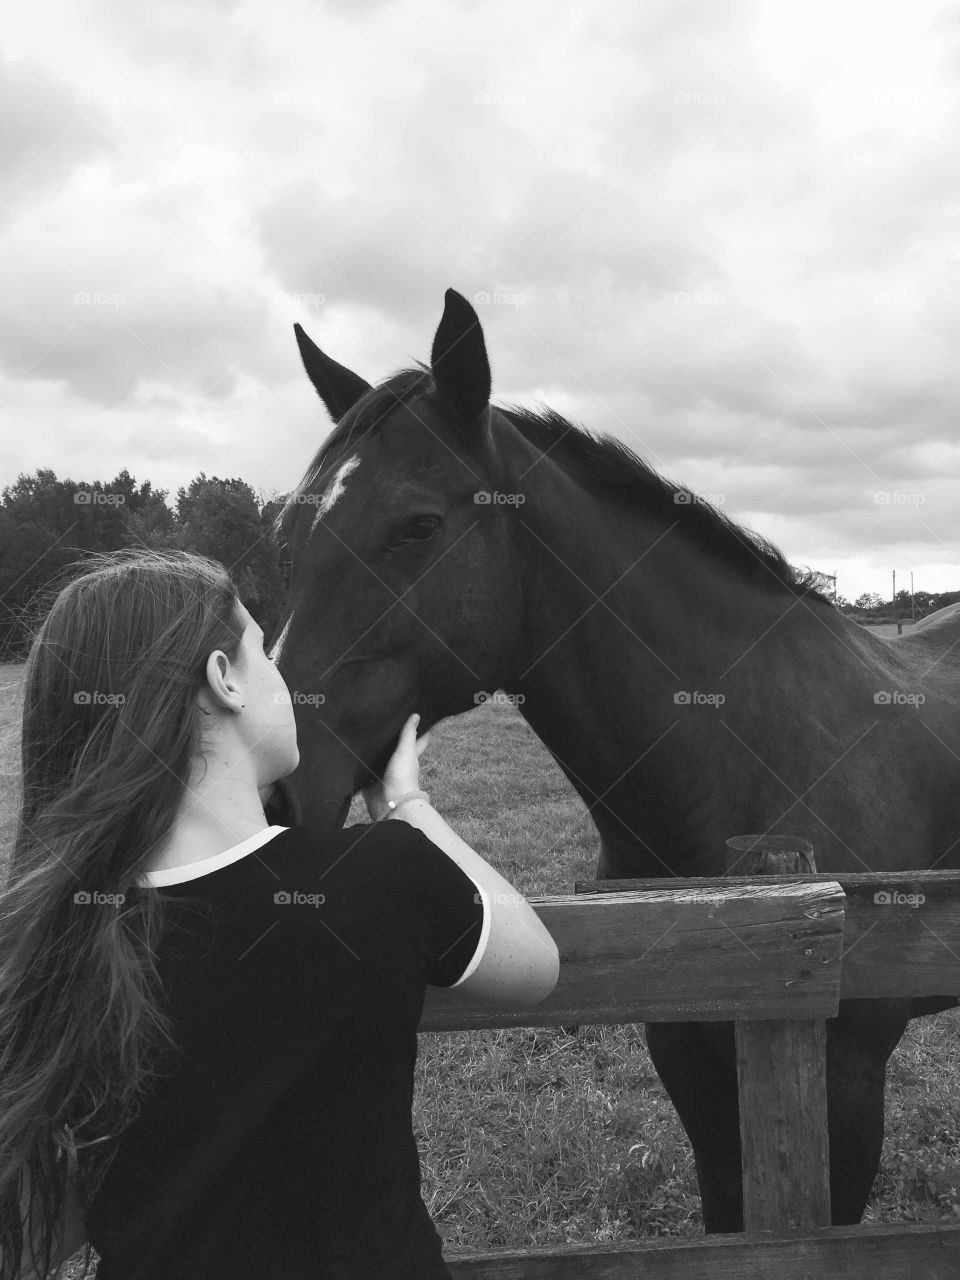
column 775, row 956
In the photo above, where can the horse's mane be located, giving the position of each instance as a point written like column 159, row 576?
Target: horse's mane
column 599, row 462
column 603, row 462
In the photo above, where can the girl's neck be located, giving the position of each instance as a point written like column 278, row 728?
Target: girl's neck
column 226, row 812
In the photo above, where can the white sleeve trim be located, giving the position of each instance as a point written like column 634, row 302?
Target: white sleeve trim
column 484, row 934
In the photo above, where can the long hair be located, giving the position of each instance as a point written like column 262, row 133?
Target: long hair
column 110, row 727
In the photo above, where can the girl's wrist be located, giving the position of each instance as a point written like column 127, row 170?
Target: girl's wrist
column 392, row 806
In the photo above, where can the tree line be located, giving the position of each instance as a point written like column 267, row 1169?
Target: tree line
column 47, row 524
column 871, row 607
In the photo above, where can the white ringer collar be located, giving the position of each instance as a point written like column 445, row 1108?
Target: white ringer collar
column 194, row 870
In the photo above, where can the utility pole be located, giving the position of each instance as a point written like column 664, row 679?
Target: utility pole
column 913, row 603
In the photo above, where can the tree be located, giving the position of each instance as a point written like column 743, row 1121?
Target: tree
column 223, row 519
column 869, row 600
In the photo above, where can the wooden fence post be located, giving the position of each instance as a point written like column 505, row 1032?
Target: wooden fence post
column 781, row 1079
column 764, row 855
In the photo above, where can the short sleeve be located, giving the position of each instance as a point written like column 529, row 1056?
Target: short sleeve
column 456, row 910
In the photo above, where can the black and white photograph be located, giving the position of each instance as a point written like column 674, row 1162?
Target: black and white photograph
column 479, row 640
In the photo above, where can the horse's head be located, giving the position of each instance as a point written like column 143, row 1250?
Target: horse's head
column 403, row 594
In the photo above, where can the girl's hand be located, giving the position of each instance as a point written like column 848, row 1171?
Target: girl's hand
column 402, row 773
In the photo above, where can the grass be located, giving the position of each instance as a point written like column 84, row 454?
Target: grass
column 536, row 1136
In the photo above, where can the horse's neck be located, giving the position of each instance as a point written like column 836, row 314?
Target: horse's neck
column 644, row 653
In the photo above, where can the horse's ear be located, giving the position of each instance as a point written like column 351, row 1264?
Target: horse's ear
column 338, row 387
column 461, row 369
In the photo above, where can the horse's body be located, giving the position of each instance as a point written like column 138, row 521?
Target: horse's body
column 688, row 684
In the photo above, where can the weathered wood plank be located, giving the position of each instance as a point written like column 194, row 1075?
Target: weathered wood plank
column 781, row 1076
column 855, row 1253
column 907, row 944
column 736, row 950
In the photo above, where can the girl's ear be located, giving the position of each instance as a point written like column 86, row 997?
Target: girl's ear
column 222, row 688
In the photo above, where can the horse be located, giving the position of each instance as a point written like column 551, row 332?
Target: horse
column 689, row 682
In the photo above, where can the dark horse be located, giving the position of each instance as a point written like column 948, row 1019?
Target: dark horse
column 688, row 682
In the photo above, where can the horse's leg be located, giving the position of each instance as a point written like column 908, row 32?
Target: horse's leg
column 696, row 1063
column 859, row 1043
column 697, row 1066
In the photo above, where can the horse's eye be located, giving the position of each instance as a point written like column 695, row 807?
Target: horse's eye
column 420, row 528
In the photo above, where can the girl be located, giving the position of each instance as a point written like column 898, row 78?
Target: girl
column 208, row 1024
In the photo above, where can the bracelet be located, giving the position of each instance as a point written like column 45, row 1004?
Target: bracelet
column 409, row 795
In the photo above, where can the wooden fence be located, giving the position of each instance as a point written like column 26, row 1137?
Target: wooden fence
column 774, row 955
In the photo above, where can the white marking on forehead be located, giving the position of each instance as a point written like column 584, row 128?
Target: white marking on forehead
column 277, row 650
column 335, row 490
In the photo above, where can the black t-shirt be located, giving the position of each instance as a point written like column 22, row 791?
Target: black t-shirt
column 279, row 1145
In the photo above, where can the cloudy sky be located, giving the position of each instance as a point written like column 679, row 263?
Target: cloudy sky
column 724, row 231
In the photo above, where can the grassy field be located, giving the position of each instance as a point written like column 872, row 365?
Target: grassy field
column 536, row 1137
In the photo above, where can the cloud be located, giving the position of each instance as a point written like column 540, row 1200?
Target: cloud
column 720, row 231
column 45, row 133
